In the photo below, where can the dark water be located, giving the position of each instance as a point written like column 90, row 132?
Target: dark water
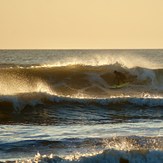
column 60, row 106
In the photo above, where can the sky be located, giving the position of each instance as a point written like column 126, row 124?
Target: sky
column 81, row 24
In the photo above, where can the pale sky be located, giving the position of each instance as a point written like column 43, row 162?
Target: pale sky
column 81, row 24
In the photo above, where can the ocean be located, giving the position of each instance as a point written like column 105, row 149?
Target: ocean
column 62, row 106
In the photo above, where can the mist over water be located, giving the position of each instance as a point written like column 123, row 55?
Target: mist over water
column 129, row 58
column 60, row 105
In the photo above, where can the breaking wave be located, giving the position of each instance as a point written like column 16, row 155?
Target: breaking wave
column 105, row 157
column 77, row 79
column 30, row 86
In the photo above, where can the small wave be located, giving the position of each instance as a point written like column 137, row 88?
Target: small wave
column 115, row 149
column 21, row 101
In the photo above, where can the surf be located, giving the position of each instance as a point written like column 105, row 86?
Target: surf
column 58, row 106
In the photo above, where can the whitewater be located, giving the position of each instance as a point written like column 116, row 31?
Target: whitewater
column 59, row 106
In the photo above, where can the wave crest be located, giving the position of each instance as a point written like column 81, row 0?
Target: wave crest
column 73, row 80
